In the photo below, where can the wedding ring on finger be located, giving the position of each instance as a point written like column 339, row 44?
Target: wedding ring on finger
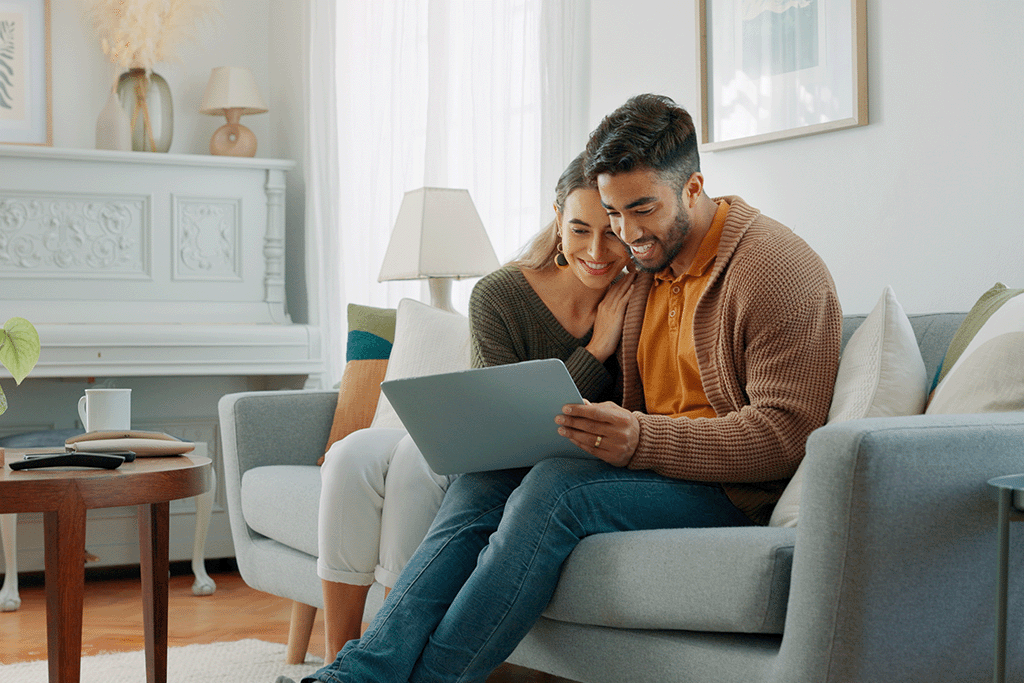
column 597, row 444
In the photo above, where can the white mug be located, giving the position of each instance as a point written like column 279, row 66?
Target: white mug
column 106, row 410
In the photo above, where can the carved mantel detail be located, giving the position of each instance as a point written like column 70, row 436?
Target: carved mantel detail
column 43, row 235
column 207, row 234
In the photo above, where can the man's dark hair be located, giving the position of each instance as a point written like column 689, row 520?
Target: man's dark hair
column 648, row 131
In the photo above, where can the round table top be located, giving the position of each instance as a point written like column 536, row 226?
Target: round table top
column 1014, row 483
column 142, row 481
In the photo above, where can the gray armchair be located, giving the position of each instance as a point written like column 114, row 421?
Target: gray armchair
column 271, row 442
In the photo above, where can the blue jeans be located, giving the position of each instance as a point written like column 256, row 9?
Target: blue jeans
column 490, row 562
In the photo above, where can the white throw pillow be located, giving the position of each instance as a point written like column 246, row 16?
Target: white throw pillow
column 988, row 376
column 881, row 374
column 428, row 341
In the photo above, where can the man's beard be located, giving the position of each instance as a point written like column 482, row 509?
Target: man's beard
column 671, row 247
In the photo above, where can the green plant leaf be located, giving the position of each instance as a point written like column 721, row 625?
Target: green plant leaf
column 3, row 401
column 19, row 348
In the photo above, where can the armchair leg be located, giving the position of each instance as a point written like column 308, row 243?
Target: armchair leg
column 299, row 630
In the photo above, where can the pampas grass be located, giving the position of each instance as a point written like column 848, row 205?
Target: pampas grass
column 140, row 33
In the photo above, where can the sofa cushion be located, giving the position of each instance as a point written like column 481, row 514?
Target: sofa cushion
column 881, row 374
column 282, row 502
column 371, row 334
column 428, row 341
column 988, row 375
column 733, row 579
column 986, row 305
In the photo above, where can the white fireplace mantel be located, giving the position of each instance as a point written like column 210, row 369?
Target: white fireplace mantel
column 138, row 264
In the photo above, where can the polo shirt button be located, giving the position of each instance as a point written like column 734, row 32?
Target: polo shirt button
column 675, row 290
column 672, row 313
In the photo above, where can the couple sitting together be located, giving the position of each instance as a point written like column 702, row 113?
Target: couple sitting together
column 704, row 372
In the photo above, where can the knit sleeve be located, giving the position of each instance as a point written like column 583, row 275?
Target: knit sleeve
column 591, row 376
column 494, row 338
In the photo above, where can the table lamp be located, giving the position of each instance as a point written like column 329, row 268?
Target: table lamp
column 231, row 92
column 438, row 236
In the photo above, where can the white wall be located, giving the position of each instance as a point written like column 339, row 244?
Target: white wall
column 916, row 199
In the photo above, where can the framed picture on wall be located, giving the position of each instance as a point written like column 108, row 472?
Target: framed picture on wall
column 775, row 69
column 25, row 115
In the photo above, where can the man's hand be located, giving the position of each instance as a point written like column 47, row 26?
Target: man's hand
column 605, row 430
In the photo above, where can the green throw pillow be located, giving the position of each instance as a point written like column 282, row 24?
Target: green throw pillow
column 979, row 314
column 371, row 332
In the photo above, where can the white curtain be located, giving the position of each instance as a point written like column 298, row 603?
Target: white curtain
column 488, row 96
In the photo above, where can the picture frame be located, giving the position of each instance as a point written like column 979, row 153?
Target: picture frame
column 776, row 69
column 26, row 116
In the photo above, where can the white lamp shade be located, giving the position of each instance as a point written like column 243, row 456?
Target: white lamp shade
column 438, row 233
column 232, row 87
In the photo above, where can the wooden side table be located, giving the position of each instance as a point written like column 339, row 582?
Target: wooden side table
column 64, row 495
column 1010, row 493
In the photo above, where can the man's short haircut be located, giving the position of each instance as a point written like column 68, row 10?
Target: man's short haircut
column 648, row 131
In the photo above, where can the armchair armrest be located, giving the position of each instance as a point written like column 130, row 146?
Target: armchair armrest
column 261, row 428
column 275, row 427
column 895, row 553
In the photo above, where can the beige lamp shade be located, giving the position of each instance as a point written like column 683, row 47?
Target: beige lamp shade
column 438, row 233
column 231, row 92
column 232, row 87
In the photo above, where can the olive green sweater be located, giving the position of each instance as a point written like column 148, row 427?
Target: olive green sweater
column 767, row 332
column 509, row 323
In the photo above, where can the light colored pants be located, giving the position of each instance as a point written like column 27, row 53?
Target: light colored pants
column 378, row 497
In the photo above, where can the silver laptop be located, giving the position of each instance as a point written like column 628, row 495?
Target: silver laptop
column 491, row 418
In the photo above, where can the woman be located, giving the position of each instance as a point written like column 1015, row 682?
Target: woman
column 563, row 298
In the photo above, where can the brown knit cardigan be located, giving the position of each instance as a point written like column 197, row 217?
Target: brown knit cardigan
column 767, row 333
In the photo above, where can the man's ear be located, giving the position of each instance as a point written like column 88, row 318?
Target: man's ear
column 693, row 188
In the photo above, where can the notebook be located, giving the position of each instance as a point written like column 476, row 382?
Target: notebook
column 491, row 418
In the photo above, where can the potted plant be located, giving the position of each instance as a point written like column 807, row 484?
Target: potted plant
column 19, row 351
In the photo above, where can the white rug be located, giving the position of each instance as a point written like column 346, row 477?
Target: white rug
column 244, row 661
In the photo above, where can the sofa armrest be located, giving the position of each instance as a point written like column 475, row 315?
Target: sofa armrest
column 895, row 553
column 276, row 427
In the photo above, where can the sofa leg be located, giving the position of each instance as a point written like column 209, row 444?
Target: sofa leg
column 299, row 630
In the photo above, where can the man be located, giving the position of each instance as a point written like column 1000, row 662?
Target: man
column 737, row 320
column 730, row 350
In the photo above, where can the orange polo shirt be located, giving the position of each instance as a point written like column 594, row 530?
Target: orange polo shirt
column 666, row 355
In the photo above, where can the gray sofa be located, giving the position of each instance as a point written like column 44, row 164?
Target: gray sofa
column 889, row 576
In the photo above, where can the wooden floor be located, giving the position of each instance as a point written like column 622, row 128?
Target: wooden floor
column 112, row 620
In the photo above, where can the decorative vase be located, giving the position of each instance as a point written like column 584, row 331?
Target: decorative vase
column 146, row 100
column 113, row 129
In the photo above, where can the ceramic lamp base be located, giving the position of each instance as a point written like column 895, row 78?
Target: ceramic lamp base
column 233, row 140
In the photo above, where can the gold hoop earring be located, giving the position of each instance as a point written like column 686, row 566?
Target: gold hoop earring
column 560, row 261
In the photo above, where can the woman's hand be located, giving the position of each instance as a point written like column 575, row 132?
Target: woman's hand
column 610, row 314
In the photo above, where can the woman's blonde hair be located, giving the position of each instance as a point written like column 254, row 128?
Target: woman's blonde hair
column 540, row 253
